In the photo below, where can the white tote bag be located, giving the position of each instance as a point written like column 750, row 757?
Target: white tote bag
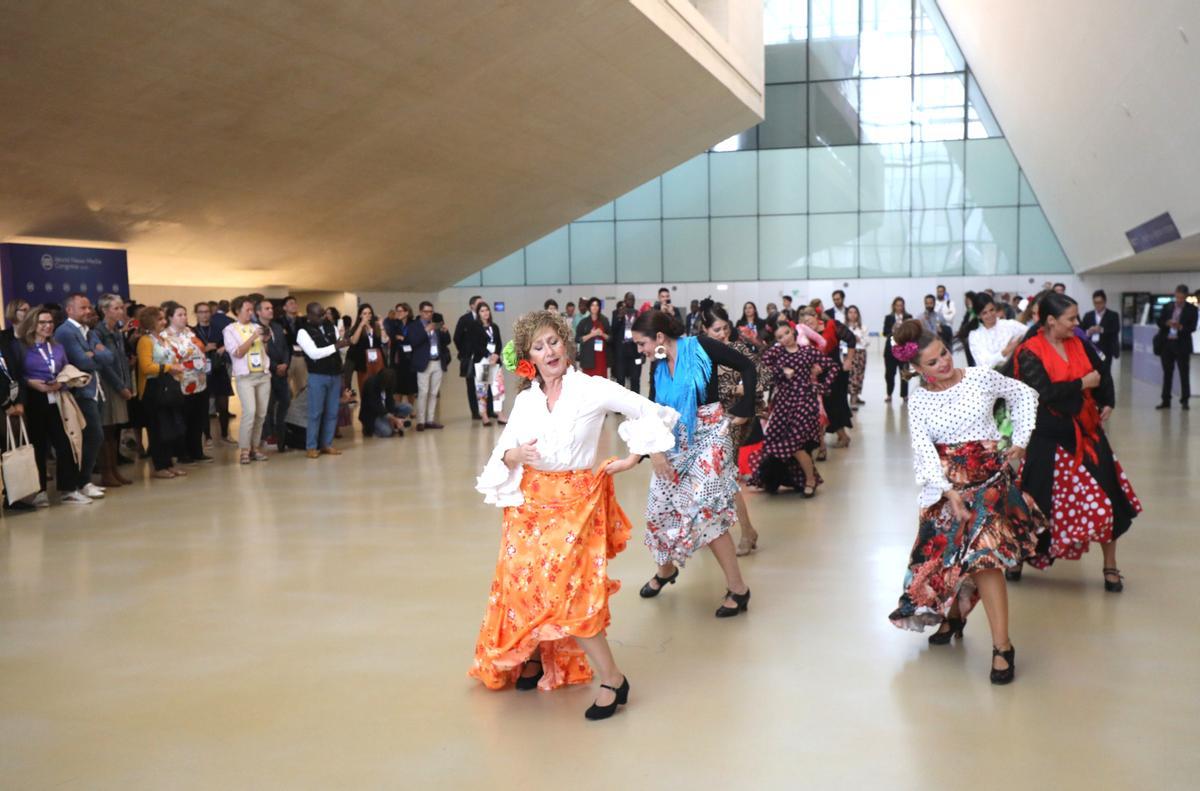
column 19, row 465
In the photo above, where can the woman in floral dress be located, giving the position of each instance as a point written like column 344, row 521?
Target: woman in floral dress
column 562, row 523
column 714, row 322
column 691, row 499
column 974, row 521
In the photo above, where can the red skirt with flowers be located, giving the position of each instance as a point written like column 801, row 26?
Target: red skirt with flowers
column 1001, row 533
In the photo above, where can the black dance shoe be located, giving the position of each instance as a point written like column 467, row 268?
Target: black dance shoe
column 595, row 712
column 1110, row 586
column 956, row 630
column 1013, row 575
column 1006, row 675
column 741, row 599
column 1164, row 405
column 526, row 683
column 649, row 592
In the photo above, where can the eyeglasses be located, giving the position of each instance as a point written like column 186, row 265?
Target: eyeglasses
column 47, row 321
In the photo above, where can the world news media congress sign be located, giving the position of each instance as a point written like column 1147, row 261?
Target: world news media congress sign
column 42, row 273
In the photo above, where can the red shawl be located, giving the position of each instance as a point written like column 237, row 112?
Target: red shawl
column 1076, row 366
column 829, row 332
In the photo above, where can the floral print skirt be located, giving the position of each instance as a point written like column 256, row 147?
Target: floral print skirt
column 551, row 582
column 695, row 507
column 1001, row 534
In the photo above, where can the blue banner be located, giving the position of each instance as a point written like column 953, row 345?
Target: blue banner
column 46, row 273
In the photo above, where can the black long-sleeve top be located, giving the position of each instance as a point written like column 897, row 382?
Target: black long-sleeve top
column 1060, row 402
column 722, row 354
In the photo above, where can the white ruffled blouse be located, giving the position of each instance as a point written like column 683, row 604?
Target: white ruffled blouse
column 963, row 413
column 568, row 436
column 987, row 345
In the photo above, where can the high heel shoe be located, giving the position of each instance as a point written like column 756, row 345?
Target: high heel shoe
column 956, row 630
column 596, row 712
column 742, row 600
column 1013, row 575
column 1006, row 675
column 648, row 592
column 747, row 545
column 1110, row 586
column 525, row 683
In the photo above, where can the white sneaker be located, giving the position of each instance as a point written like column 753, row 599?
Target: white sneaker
column 76, row 498
column 41, row 500
column 93, row 491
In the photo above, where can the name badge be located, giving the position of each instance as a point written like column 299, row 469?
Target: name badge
column 491, row 348
column 255, row 361
column 598, row 345
column 372, row 355
column 406, row 349
column 433, row 351
column 638, row 361
column 628, row 333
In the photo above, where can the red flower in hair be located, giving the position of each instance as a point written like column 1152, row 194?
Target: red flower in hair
column 526, row 370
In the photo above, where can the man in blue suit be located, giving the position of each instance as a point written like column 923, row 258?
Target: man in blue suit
column 87, row 354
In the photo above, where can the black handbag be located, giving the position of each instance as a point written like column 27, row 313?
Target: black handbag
column 166, row 392
column 1157, row 344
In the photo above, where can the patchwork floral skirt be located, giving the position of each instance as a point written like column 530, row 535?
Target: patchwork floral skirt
column 1001, row 534
column 551, row 582
column 696, row 505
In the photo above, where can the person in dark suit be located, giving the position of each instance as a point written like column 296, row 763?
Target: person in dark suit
column 462, row 341
column 890, row 364
column 87, row 354
column 279, row 352
column 664, row 304
column 1103, row 328
column 1174, row 344
column 627, row 367
column 431, row 358
column 485, row 346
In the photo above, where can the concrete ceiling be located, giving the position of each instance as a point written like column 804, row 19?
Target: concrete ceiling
column 348, row 144
column 1098, row 101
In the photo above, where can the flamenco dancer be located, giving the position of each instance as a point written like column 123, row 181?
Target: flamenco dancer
column 714, row 322
column 837, row 401
column 974, row 520
column 561, row 523
column 691, row 500
column 802, row 375
column 1071, row 471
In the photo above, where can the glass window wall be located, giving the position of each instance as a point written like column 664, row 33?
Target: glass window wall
column 878, row 157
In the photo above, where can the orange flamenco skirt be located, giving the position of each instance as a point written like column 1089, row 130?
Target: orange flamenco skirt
column 551, row 581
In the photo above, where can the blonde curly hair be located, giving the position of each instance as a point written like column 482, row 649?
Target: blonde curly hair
column 527, row 327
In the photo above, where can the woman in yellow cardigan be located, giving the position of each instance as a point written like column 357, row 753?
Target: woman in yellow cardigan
column 163, row 420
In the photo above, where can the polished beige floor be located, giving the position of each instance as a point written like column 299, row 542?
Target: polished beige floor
column 308, row 624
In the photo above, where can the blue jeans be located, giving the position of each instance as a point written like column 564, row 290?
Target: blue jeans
column 383, row 427
column 324, row 394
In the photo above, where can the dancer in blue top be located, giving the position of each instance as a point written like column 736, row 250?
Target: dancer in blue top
column 691, row 500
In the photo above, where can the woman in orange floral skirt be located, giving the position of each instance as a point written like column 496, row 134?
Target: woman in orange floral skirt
column 548, row 604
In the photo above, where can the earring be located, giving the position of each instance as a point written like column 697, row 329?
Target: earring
column 660, row 352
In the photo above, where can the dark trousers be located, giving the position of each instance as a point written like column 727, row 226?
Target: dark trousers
column 166, row 429
column 1175, row 355
column 470, row 380
column 891, row 366
column 629, row 373
column 195, row 419
column 277, row 408
column 45, row 429
column 221, row 404
column 93, row 438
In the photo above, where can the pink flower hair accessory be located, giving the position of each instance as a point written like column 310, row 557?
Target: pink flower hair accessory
column 905, row 351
